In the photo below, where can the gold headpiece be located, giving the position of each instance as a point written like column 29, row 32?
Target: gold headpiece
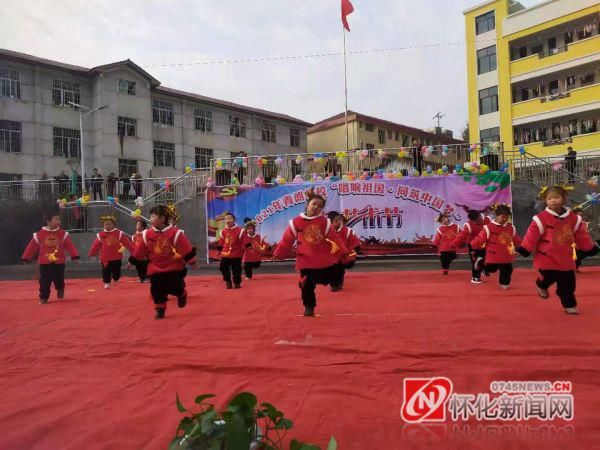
column 109, row 217
column 172, row 212
column 563, row 188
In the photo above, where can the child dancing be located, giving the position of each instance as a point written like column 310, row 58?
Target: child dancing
column 231, row 244
column 111, row 243
column 255, row 247
column 351, row 242
column 470, row 231
column 168, row 250
column 318, row 249
column 554, row 235
column 500, row 239
column 50, row 243
column 444, row 241
column 141, row 267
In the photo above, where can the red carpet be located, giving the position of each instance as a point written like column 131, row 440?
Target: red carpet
column 96, row 371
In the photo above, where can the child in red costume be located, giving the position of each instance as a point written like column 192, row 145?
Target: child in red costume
column 232, row 244
column 318, row 250
column 51, row 243
column 351, row 242
column 554, row 235
column 500, row 240
column 470, row 231
column 141, row 267
column 255, row 246
column 168, row 250
column 111, row 243
column 444, row 241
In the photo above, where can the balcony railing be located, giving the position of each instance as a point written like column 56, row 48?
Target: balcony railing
column 559, row 100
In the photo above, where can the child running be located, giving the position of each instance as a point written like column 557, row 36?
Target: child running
column 500, row 239
column 255, row 247
column 141, row 267
column 111, row 243
column 580, row 254
column 168, row 250
column 231, row 244
column 444, row 241
column 51, row 243
column 554, row 235
column 351, row 242
column 470, row 231
column 318, row 249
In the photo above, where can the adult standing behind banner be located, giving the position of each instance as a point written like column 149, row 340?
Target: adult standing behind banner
column 571, row 163
column 417, row 155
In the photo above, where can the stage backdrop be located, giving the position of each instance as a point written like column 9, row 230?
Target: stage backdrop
column 391, row 217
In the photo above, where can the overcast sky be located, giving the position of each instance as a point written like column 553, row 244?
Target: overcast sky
column 407, row 86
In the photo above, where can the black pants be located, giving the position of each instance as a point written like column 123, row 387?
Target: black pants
column 565, row 285
column 97, row 190
column 506, row 271
column 446, row 258
column 231, row 266
column 141, row 268
column 249, row 266
column 309, row 278
column 474, row 254
column 111, row 270
column 580, row 257
column 51, row 273
column 164, row 284
column 340, row 274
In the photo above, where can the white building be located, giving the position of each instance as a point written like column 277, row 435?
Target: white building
column 146, row 128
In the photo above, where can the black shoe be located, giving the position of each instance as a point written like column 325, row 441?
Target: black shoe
column 237, row 286
column 60, row 293
column 336, row 288
column 159, row 313
column 182, row 301
column 309, row 312
column 228, row 284
column 43, row 301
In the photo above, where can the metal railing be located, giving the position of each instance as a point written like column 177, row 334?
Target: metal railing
column 355, row 162
column 176, row 190
column 87, row 218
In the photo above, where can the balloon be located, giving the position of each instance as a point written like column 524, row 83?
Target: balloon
column 259, row 181
column 210, row 182
column 136, row 213
column 496, row 145
column 319, row 178
column 428, row 169
column 235, row 181
column 279, row 161
column 298, row 179
column 188, row 169
column 362, row 178
column 521, row 150
column 556, row 166
column 334, row 178
column 192, row 166
column 219, row 163
column 444, row 168
column 299, row 159
column 110, row 199
column 473, row 147
column 483, row 168
column 458, row 167
column 440, row 172
column 402, row 154
column 588, row 197
column 139, row 202
column 341, row 155
column 381, row 153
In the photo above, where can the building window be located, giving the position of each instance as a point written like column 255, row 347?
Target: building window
column 65, row 92
column 67, row 143
column 164, row 154
column 390, row 134
column 126, row 87
column 485, row 22
column 488, row 100
column 10, row 84
column 10, row 136
column 588, row 126
column 369, row 127
column 126, row 126
column 359, row 124
column 237, row 127
column 381, row 136
column 127, row 167
column 268, row 132
column 397, row 136
column 486, row 59
column 162, row 112
column 490, row 135
column 294, row 137
column 369, row 146
column 573, row 128
column 203, row 156
column 203, row 120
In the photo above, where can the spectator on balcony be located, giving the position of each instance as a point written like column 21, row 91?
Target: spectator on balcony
column 238, row 169
column 417, row 155
column 62, row 180
column 96, row 182
column 571, row 163
column 126, row 186
column 111, row 182
column 136, row 182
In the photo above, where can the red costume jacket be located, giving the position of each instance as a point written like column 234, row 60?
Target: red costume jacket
column 470, row 231
column 350, row 240
column 168, row 249
column 232, row 242
column 50, row 245
column 445, row 236
column 553, row 237
column 499, row 241
column 111, row 245
column 317, row 244
column 255, row 246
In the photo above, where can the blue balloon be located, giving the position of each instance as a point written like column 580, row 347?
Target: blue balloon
column 458, row 167
column 110, row 199
column 192, row 166
column 334, row 178
column 522, row 150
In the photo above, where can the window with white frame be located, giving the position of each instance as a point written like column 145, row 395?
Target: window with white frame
column 65, row 92
column 294, row 137
column 164, row 154
column 268, row 131
column 126, row 126
column 67, row 142
column 162, row 112
column 126, row 87
column 485, row 22
column 237, row 126
column 203, row 120
column 203, row 156
column 381, row 136
column 10, row 136
column 128, row 167
column 10, row 83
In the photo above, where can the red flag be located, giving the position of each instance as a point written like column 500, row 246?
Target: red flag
column 347, row 8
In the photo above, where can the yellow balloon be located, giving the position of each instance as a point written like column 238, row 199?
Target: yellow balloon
column 188, row 169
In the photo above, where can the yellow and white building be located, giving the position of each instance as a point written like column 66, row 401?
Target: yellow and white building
column 534, row 75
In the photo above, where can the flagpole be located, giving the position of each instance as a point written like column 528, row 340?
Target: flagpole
column 345, row 89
